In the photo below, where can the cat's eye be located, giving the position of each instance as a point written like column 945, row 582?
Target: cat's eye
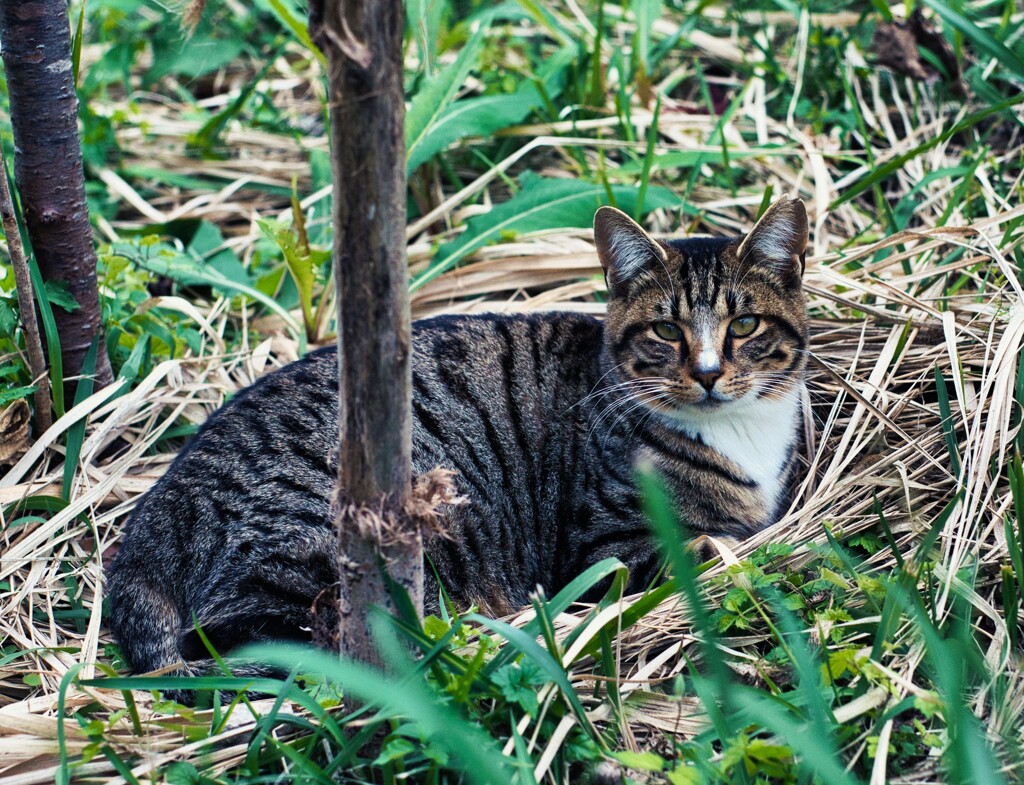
column 667, row 331
column 743, row 326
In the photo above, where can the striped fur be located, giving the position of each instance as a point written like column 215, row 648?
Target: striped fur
column 543, row 417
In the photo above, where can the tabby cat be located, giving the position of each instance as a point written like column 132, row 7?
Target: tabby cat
column 697, row 368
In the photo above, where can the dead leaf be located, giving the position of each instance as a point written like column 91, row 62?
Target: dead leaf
column 15, row 436
column 897, row 45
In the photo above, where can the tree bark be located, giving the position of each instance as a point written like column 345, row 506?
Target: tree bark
column 36, row 42
column 363, row 44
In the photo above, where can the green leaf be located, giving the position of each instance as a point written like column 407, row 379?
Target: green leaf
column 186, row 270
column 395, row 749
column 686, row 159
column 290, row 18
column 8, row 320
column 76, row 434
column 52, row 337
column 208, row 245
column 209, row 135
column 542, row 204
column 302, row 262
column 14, row 394
column 684, row 775
column 439, row 90
column 484, row 115
column 58, row 293
column 182, row 773
column 646, row 13
column 198, row 55
column 76, row 45
column 641, row 761
column 517, row 685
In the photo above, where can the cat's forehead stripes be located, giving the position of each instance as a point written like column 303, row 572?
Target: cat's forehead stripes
column 701, row 266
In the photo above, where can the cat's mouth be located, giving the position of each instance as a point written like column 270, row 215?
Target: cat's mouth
column 708, row 401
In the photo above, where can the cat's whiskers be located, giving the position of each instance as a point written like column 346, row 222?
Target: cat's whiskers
column 624, row 386
column 593, row 390
column 630, row 398
column 623, row 415
column 639, row 423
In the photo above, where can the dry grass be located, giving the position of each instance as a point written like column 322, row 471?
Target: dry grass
column 875, row 429
column 881, row 328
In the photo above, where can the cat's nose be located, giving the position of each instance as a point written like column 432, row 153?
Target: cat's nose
column 707, row 376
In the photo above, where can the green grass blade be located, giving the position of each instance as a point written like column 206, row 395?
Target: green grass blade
column 53, row 354
column 948, row 427
column 572, row 592
column 187, row 271
column 645, row 175
column 815, row 753
column 76, row 45
column 76, row 434
column 885, row 170
column 671, row 534
column 290, row 19
column 983, row 41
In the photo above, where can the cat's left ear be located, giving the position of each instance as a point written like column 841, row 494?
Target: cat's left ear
column 623, row 246
column 779, row 240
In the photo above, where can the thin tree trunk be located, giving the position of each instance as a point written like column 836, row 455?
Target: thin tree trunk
column 36, row 42
column 363, row 44
column 26, row 303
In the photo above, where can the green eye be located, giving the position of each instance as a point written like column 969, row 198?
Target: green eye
column 743, row 326
column 667, row 331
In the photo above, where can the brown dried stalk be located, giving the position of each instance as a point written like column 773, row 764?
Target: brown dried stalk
column 26, row 304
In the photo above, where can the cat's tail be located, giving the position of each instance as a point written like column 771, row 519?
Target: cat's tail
column 148, row 627
column 144, row 620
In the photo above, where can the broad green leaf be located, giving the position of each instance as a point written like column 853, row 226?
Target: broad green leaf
column 484, row 115
column 200, row 54
column 542, row 204
column 8, row 320
column 208, row 244
column 187, row 270
column 439, row 90
column 302, row 262
column 58, row 293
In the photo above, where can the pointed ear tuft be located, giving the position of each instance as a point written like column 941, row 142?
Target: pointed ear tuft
column 623, row 247
column 779, row 239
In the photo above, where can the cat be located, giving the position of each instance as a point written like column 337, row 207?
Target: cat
column 698, row 368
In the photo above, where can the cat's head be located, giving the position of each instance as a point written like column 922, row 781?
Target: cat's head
column 700, row 325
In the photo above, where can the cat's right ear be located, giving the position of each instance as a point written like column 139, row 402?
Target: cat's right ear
column 623, row 247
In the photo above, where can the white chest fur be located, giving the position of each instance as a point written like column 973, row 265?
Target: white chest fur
column 755, row 434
